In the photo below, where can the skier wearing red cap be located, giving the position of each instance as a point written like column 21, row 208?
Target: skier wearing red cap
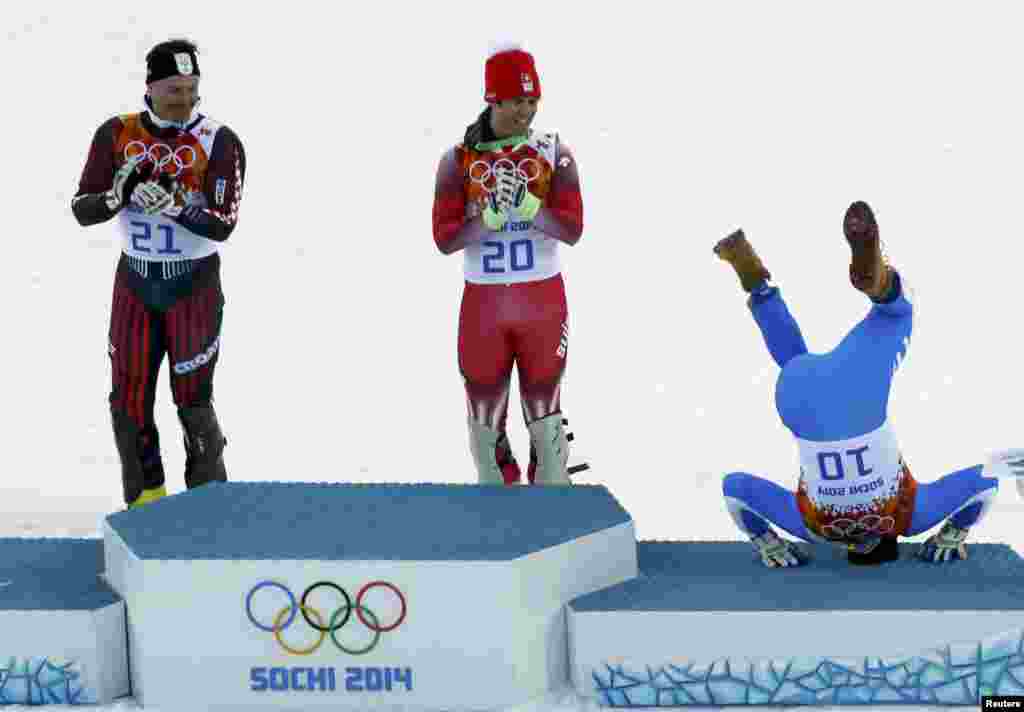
column 507, row 195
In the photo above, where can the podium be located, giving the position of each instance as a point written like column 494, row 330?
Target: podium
column 705, row 623
column 62, row 628
column 242, row 596
column 278, row 595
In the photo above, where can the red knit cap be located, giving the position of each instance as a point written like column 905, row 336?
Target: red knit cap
column 510, row 73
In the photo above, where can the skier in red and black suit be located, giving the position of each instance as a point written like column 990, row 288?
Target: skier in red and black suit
column 172, row 178
column 507, row 196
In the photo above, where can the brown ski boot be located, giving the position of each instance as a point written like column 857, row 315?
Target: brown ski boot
column 869, row 271
column 737, row 251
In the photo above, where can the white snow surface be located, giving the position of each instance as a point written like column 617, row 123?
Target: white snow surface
column 687, row 120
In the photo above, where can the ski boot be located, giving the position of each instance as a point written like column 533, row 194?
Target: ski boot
column 531, row 472
column 142, row 470
column 492, row 455
column 869, row 270
column 204, row 446
column 737, row 251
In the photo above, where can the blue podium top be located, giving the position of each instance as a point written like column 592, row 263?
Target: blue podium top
column 375, row 522
column 726, row 576
column 52, row 554
column 53, row 574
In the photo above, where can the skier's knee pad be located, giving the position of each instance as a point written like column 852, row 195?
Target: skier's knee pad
column 204, row 446
column 550, row 444
column 139, row 450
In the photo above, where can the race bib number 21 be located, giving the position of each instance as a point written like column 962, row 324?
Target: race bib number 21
column 143, row 238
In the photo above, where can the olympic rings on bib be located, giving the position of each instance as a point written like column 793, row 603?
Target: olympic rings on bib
column 864, row 526
column 161, row 155
column 486, row 174
column 286, row 616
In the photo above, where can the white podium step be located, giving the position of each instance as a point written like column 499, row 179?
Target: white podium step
column 705, row 623
column 63, row 628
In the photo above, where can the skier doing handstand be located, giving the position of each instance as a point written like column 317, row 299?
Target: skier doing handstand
column 855, row 489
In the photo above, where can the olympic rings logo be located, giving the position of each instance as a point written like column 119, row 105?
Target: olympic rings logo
column 864, row 526
column 161, row 155
column 286, row 616
column 487, row 175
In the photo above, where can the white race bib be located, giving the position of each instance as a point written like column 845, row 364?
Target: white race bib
column 853, row 476
column 518, row 252
column 159, row 239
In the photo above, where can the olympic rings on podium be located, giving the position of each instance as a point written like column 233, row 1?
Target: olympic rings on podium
column 286, row 616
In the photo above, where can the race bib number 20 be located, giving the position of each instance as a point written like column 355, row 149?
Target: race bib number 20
column 514, row 256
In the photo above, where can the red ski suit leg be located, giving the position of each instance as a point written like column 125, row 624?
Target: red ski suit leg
column 504, row 324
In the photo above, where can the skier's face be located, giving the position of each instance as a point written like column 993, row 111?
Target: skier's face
column 513, row 116
column 174, row 97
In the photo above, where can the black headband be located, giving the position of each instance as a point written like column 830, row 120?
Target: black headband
column 164, row 64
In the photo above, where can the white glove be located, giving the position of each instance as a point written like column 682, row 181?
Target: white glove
column 506, row 186
column 1007, row 464
column 947, row 545
column 776, row 552
column 126, row 179
column 512, row 193
column 152, row 198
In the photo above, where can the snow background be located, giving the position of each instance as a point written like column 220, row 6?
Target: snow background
column 688, row 120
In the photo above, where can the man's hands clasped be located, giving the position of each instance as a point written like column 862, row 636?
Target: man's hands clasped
column 134, row 183
column 510, row 199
